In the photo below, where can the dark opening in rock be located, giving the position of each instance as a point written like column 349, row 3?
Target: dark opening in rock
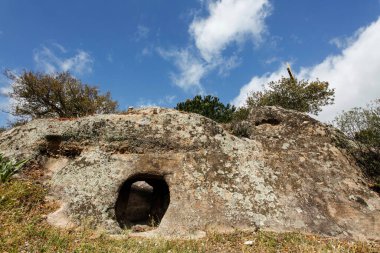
column 142, row 200
column 55, row 146
column 270, row 121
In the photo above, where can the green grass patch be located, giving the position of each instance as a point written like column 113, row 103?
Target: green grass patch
column 23, row 229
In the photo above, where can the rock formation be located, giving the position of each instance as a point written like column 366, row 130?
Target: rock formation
column 185, row 174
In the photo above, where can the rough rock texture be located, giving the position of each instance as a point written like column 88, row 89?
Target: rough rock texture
column 288, row 176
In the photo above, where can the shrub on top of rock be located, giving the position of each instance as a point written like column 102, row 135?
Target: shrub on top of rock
column 208, row 106
column 40, row 95
column 290, row 93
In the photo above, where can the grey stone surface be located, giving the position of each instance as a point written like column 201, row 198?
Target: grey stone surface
column 289, row 175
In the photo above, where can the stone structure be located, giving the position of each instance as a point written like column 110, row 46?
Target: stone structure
column 185, row 174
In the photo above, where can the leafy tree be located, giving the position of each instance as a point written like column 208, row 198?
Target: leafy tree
column 40, row 95
column 290, row 93
column 362, row 125
column 208, row 106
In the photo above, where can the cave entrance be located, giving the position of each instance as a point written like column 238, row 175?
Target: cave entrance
column 142, row 200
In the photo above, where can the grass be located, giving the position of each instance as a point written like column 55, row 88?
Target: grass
column 23, row 229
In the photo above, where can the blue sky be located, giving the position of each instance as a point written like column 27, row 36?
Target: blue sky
column 161, row 52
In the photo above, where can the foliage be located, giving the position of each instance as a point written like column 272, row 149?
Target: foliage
column 240, row 114
column 362, row 125
column 289, row 93
column 9, row 168
column 239, row 124
column 241, row 129
column 208, row 106
column 40, row 95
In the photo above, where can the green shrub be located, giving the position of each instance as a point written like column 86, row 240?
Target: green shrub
column 56, row 95
column 8, row 168
column 208, row 106
column 240, row 126
column 362, row 125
column 240, row 114
column 290, row 93
column 241, row 129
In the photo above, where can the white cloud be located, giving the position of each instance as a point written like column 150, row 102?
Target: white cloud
column 272, row 60
column 338, row 42
column 344, row 42
column 167, row 100
column 354, row 73
column 60, row 47
column 146, row 51
column 229, row 21
column 109, row 58
column 162, row 102
column 50, row 61
column 225, row 65
column 191, row 69
column 5, row 89
column 141, row 33
column 257, row 83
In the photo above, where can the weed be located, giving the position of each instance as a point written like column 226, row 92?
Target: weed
column 9, row 168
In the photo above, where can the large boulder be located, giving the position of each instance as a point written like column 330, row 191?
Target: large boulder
column 185, row 174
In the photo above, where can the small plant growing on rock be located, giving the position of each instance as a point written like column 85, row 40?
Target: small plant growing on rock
column 240, row 125
column 8, row 168
column 241, row 129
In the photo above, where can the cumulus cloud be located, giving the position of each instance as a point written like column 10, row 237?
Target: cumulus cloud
column 354, row 73
column 191, row 69
column 56, row 58
column 344, row 42
column 227, row 22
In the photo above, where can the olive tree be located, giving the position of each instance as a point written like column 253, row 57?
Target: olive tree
column 39, row 95
column 290, row 93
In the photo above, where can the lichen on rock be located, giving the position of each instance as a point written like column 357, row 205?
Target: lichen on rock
column 289, row 174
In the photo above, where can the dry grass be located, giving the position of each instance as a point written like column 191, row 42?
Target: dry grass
column 23, row 229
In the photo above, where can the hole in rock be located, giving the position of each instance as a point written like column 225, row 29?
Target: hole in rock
column 143, row 200
column 55, row 146
column 271, row 121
